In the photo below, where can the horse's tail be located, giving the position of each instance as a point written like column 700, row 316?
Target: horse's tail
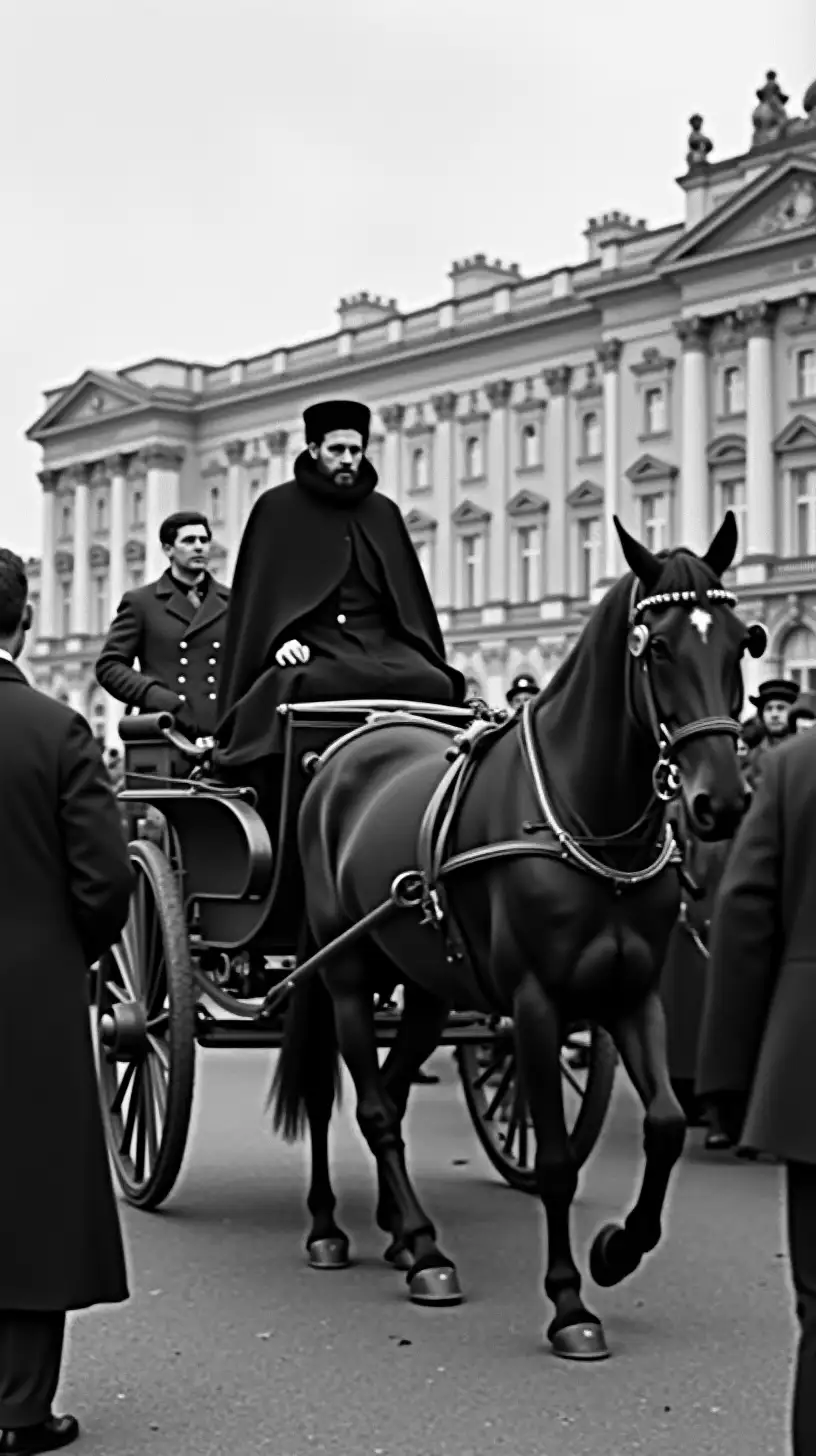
column 308, row 1064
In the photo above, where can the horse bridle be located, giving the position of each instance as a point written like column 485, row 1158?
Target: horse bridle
column 666, row 774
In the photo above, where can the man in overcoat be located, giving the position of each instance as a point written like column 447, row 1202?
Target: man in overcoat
column 175, row 628
column 759, row 1024
column 65, row 885
column 773, row 703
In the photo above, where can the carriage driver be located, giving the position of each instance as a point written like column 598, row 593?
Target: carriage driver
column 329, row 602
column 175, row 628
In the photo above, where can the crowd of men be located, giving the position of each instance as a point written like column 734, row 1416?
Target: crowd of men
column 351, row 616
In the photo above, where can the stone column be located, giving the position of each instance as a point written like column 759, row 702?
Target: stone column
column 116, row 466
column 498, row 474
column 695, row 511
column 609, row 354
column 236, row 505
column 392, row 416
column 80, row 585
column 46, row 626
column 759, row 409
column 444, row 485
column 276, row 444
column 556, row 480
column 163, row 463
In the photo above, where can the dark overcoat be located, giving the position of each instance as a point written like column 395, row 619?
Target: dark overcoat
column 759, row 1027
column 180, row 651
column 65, row 885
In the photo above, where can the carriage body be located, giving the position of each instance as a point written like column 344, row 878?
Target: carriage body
column 213, row 930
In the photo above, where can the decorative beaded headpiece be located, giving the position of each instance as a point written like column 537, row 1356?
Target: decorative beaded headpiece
column 678, row 598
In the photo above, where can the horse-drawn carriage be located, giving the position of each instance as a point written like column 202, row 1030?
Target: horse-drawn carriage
column 215, row 900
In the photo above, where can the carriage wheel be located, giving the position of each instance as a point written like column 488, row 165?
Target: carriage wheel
column 146, row 1035
column 498, row 1106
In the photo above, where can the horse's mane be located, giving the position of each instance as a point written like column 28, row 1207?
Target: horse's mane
column 682, row 571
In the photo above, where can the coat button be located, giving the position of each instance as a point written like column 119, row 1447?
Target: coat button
column 213, row 696
column 216, row 644
column 183, row 661
column 183, row 697
column 182, row 678
column 341, row 617
column 183, row 646
column 211, row 662
column 210, row 679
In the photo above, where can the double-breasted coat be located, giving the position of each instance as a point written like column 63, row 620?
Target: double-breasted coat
column 65, row 885
column 759, row 1023
column 179, row 649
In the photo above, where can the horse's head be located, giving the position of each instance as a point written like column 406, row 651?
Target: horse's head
column 686, row 643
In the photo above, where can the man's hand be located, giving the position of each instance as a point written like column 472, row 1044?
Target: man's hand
column 292, row 652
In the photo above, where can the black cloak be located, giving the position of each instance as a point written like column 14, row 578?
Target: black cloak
column 295, row 552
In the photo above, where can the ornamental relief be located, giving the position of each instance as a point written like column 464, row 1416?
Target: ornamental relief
column 64, row 563
column 99, row 557
column 135, row 553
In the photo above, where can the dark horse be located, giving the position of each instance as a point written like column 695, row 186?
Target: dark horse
column 557, row 906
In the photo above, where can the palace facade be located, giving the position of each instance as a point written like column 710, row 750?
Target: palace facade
column 667, row 377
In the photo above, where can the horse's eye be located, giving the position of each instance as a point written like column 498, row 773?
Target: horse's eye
column 660, row 650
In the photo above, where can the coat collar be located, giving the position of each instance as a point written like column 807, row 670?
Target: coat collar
column 178, row 605
column 10, row 672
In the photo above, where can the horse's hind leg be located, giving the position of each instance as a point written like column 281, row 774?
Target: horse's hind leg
column 575, row 1332
column 432, row 1278
column 641, row 1040
column 326, row 1244
column 421, row 1025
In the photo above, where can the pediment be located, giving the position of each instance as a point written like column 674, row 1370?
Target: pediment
column 92, row 396
column 726, row 450
column 420, row 521
column 469, row 514
column 585, row 494
column 527, row 503
column 648, row 468
column 799, row 434
column 778, row 205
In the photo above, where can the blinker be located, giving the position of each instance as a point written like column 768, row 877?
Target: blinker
column 638, row 640
column 757, row 639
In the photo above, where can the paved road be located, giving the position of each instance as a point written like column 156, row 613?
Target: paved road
column 231, row 1345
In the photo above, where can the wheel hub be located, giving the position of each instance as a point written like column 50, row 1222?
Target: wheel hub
column 123, row 1031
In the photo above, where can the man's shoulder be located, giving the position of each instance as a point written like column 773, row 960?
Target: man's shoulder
column 36, row 708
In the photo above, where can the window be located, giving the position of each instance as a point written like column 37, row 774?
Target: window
column 101, row 513
column 591, row 436
column 471, row 570
column 806, row 374
column 589, row 554
column 474, row 458
column 731, row 497
column 423, row 551
column 655, row 406
column 420, row 478
column 529, row 563
column 215, row 505
column 530, row 447
column 804, row 512
column 733, row 391
column 65, row 608
column 137, row 508
column 653, row 522
column 800, row 658
column 66, row 517
column 100, row 604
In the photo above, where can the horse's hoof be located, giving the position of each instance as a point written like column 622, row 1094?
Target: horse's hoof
column 329, row 1254
column 604, row 1268
column 435, row 1286
column 580, row 1342
column 398, row 1257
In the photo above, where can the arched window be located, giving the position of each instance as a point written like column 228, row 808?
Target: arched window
column 590, row 435
column 474, row 458
column 530, row 451
column 420, row 478
column 800, row 658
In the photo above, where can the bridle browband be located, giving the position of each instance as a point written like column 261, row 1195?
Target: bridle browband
column 666, row 775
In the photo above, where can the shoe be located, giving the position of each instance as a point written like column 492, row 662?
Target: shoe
column 50, row 1435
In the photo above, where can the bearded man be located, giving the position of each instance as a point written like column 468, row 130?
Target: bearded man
column 328, row 602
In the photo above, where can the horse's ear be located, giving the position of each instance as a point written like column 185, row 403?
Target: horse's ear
column 723, row 548
column 639, row 558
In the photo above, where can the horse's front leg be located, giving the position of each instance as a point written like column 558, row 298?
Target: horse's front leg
column 432, row 1278
column 421, row 1025
column 641, row 1040
column 575, row 1332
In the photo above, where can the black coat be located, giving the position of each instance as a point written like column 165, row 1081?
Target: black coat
column 180, row 651
column 65, row 885
column 759, row 1026
column 294, row 555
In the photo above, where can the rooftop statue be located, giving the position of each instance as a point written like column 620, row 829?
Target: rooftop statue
column 770, row 117
column 699, row 145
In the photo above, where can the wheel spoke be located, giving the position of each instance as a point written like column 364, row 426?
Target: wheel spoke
column 139, row 1098
column 149, row 1103
column 501, row 1091
column 121, row 1091
column 569, row 1076
column 130, row 1119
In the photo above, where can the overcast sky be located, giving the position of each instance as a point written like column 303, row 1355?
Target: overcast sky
column 206, row 178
